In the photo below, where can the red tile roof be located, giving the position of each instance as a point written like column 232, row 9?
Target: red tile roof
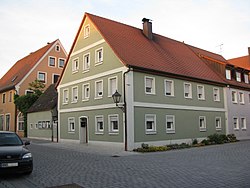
column 21, row 68
column 243, row 62
column 160, row 54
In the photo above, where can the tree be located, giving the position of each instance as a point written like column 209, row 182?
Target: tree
column 24, row 102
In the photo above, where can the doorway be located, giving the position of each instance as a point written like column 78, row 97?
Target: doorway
column 83, row 130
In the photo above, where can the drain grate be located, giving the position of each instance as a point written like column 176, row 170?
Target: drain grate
column 67, row 186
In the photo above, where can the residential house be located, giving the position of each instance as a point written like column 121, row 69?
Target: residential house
column 42, row 116
column 169, row 94
column 45, row 64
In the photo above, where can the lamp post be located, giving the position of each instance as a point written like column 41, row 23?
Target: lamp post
column 117, row 98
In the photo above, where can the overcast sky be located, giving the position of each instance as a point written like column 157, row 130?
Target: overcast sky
column 219, row 26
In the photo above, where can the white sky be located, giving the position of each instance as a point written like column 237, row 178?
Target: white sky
column 27, row 25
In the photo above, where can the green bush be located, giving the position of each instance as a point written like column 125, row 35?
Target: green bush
column 205, row 142
column 218, row 138
column 231, row 138
column 195, row 142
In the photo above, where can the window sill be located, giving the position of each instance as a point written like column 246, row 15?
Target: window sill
column 71, row 132
column 242, row 103
column 85, row 100
column 97, row 98
column 98, row 63
column 218, row 129
column 244, row 129
column 171, row 132
column 85, row 71
column 65, row 103
column 169, row 95
column 236, row 129
column 113, row 133
column 203, row 130
column 99, row 133
column 74, row 72
column 73, row 102
column 151, row 133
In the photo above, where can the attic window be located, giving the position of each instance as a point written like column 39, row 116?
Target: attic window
column 228, row 74
column 57, row 48
column 86, row 31
column 246, row 78
column 238, row 76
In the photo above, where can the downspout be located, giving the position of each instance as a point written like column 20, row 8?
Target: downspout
column 125, row 109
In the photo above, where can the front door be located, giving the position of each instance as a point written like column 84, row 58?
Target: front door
column 83, row 130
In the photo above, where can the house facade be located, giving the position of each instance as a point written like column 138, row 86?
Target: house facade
column 45, row 64
column 168, row 94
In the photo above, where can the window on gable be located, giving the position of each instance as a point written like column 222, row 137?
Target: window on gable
column 113, row 123
column 85, row 92
column 170, row 124
column 61, row 62
column 187, row 90
column 238, row 76
column 75, row 65
column 228, row 74
column 200, row 92
column 74, row 94
column 243, row 123
column 52, row 61
column 71, row 124
column 216, row 93
column 99, row 124
column 57, row 48
column 99, row 56
column 149, row 85
column 241, row 98
column 65, row 96
column 10, row 96
column 3, row 98
column 246, row 78
column 41, row 76
column 218, row 123
column 86, row 62
column 99, row 89
column 202, row 123
column 112, row 87
column 234, row 97
column 150, row 123
column 236, row 123
column 86, row 31
column 169, row 87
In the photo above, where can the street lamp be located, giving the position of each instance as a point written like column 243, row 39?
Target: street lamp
column 117, row 98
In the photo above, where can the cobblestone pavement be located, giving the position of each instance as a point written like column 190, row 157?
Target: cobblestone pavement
column 55, row 164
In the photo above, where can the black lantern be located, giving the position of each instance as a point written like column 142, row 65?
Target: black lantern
column 116, row 97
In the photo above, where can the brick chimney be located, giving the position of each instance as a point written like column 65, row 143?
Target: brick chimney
column 249, row 51
column 147, row 28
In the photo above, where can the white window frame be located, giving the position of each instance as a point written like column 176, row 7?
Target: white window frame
column 75, row 68
column 52, row 57
column 86, row 31
column 71, row 129
column 59, row 66
column 189, row 90
column 111, row 127
column 31, row 125
column 171, row 88
column 241, row 97
column 234, row 96
column 201, row 96
column 236, row 126
column 149, row 117
column 98, row 60
column 98, row 94
column 86, row 65
column 172, row 129
column 45, row 76
column 246, row 78
column 152, row 92
column 74, row 97
column 204, row 127
column 97, row 127
column 84, row 91
column 53, row 77
column 216, row 94
column 65, row 98
column 238, row 76
column 111, row 90
column 20, row 122
column 228, row 74
column 243, row 124
column 218, row 119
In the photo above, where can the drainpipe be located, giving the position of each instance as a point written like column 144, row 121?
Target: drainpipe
column 125, row 110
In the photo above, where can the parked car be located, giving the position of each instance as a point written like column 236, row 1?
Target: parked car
column 14, row 155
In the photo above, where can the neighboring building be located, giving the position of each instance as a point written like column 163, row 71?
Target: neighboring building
column 42, row 116
column 170, row 94
column 45, row 64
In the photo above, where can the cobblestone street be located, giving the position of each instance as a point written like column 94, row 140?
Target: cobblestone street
column 55, row 164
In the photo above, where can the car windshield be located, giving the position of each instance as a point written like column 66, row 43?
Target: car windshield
column 10, row 139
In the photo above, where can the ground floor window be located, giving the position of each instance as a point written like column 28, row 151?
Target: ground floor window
column 20, row 121
column 218, row 123
column 243, row 123
column 99, row 124
column 236, row 123
column 170, row 124
column 150, row 123
column 1, row 122
column 71, row 124
column 7, row 124
column 113, row 123
column 202, row 123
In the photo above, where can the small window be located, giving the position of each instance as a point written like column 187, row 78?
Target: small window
column 234, row 97
column 71, row 124
column 241, row 98
column 65, row 96
column 3, row 98
column 246, row 78
column 202, row 123
column 99, row 124
column 200, row 92
column 42, row 77
column 112, row 87
column 61, row 62
column 99, row 56
column 113, row 123
column 74, row 94
column 85, row 92
column 20, row 121
column 238, row 76
column 216, row 93
column 10, row 96
column 170, row 124
column 31, row 126
column 57, row 48
column 75, row 65
column 236, row 123
column 86, row 62
column 99, row 89
column 55, row 78
column 218, row 123
column 169, row 88
column 52, row 61
column 149, row 85
column 187, row 90
column 86, row 31
column 228, row 74
column 243, row 123
column 150, row 123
